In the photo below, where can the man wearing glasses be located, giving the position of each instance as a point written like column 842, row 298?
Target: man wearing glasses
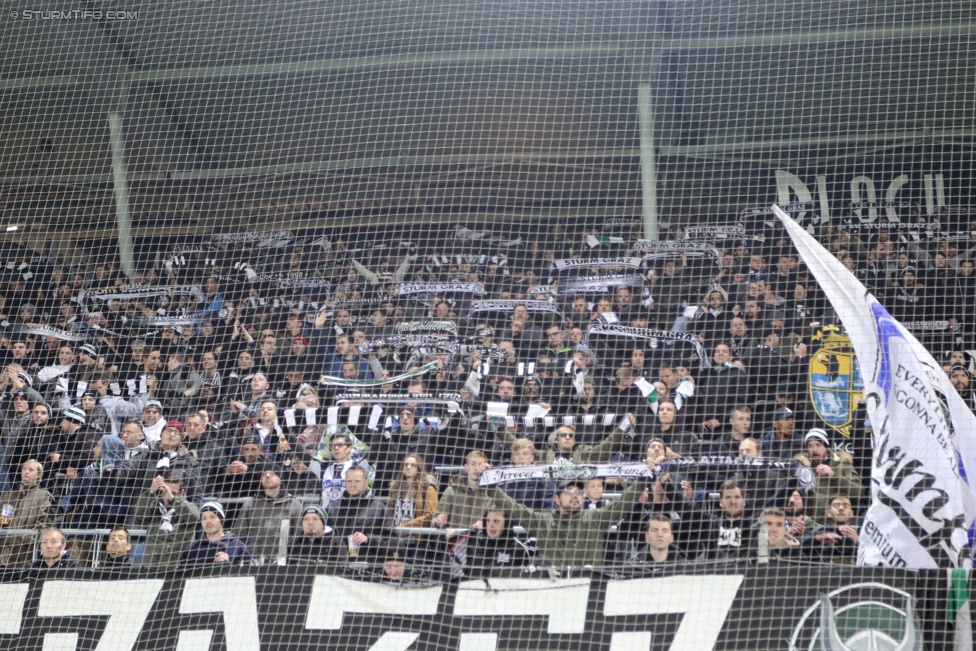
column 332, row 472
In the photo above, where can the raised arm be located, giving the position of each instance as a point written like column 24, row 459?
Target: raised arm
column 528, row 518
column 366, row 273
column 602, row 452
column 506, row 437
column 624, row 504
column 401, row 271
column 120, row 408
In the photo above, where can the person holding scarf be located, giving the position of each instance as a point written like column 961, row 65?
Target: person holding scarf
column 563, row 444
column 169, row 518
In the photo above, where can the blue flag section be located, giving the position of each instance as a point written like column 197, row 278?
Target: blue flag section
column 924, row 436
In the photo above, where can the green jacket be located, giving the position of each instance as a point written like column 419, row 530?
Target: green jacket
column 599, row 453
column 845, row 481
column 462, row 505
column 575, row 539
column 163, row 549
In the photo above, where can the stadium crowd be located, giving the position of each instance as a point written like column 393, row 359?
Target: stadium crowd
column 358, row 391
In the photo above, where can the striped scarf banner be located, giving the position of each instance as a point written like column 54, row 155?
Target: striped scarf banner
column 342, row 382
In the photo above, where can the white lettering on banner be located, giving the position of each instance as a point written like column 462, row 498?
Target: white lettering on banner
column 862, row 188
column 395, row 641
column 478, row 642
column 194, row 641
column 325, row 612
column 126, row 603
column 234, row 598
column 12, row 597
column 921, row 502
column 564, row 601
column 703, row 600
column 60, row 642
column 870, row 195
column 787, row 181
column 572, row 263
column 631, row 641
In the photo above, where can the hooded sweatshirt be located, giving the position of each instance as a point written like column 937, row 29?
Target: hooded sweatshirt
column 485, row 554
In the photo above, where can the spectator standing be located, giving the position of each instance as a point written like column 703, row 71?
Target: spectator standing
column 242, row 477
column 563, row 442
column 32, row 443
column 260, row 521
column 168, row 453
column 413, row 496
column 71, row 451
column 833, row 472
column 782, row 442
column 593, row 494
column 169, row 519
column 359, row 518
column 797, row 520
column 23, row 508
column 719, row 388
column 727, row 443
column 332, row 472
column 464, row 501
column 837, row 541
column 728, row 536
column 781, row 542
column 568, row 535
column 408, row 437
column 296, row 477
column 533, row 493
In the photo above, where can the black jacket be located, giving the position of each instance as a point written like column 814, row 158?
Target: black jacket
column 326, row 549
column 719, row 389
column 66, row 561
column 490, row 554
column 726, row 539
column 643, row 557
column 122, row 561
column 365, row 514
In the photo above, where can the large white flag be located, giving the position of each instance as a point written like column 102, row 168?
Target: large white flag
column 924, row 435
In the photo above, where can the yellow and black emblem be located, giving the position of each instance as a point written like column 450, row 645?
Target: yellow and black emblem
column 835, row 380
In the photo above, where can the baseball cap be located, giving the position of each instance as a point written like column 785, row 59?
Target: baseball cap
column 569, row 483
column 782, row 413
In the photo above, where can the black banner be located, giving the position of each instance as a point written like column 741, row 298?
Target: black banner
column 725, row 607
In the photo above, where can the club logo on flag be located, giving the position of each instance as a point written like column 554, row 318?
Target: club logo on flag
column 860, row 616
column 835, row 380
